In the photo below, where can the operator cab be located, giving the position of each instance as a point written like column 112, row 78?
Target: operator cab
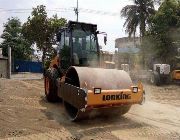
column 78, row 45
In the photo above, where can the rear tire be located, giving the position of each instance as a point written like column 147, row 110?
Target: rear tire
column 155, row 78
column 168, row 80
column 51, row 90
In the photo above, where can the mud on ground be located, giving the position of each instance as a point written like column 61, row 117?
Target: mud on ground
column 25, row 114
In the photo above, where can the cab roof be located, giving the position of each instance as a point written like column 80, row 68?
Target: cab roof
column 90, row 26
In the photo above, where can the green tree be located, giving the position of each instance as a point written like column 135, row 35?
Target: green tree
column 164, row 31
column 12, row 37
column 54, row 25
column 40, row 29
column 137, row 15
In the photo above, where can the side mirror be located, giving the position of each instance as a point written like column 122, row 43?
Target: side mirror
column 105, row 39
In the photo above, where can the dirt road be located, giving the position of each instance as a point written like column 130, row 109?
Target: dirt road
column 25, row 114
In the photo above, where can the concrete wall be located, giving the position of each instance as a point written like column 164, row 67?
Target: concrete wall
column 127, row 42
column 3, row 68
column 1, row 53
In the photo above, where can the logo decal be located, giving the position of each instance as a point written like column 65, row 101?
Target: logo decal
column 119, row 96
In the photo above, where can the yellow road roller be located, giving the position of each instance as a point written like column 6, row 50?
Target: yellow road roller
column 76, row 77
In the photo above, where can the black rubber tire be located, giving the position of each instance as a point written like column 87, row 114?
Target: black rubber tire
column 52, row 92
column 155, row 78
column 168, row 80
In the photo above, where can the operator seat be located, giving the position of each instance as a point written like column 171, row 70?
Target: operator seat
column 77, row 52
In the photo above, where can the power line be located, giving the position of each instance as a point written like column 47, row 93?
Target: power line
column 83, row 10
column 99, row 12
column 21, row 9
column 30, row 10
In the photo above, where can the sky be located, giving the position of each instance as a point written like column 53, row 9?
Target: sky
column 110, row 23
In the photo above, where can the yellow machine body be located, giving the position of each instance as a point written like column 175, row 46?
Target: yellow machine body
column 115, row 97
column 176, row 75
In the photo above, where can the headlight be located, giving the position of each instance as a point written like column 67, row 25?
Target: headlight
column 135, row 89
column 97, row 90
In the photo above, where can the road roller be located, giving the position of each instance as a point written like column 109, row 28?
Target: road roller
column 76, row 77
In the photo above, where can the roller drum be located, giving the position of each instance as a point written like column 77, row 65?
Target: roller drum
column 90, row 78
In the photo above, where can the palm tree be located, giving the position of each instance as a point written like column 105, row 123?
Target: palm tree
column 137, row 15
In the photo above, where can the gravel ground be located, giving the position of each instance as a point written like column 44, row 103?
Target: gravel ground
column 25, row 114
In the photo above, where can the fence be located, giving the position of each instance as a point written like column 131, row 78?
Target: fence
column 27, row 66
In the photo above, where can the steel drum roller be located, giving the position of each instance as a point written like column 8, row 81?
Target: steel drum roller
column 90, row 78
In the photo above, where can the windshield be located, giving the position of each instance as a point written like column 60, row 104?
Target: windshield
column 85, row 50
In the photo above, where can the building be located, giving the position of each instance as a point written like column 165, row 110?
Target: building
column 127, row 45
column 127, row 49
column 3, row 65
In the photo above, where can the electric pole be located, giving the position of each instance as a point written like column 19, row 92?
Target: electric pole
column 9, row 62
column 76, row 10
